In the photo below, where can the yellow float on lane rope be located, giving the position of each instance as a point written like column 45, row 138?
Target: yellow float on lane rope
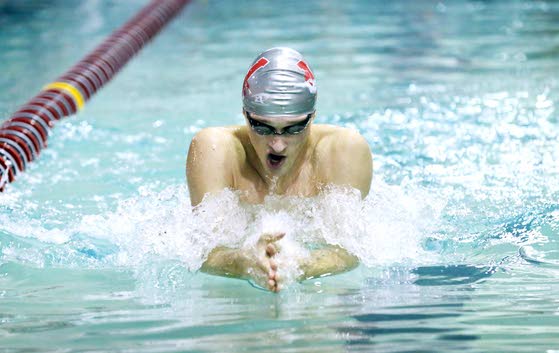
column 68, row 88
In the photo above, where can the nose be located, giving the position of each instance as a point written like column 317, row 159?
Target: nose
column 277, row 144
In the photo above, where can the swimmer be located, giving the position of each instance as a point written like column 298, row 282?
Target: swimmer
column 278, row 151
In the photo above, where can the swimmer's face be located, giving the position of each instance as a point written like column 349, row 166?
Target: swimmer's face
column 278, row 140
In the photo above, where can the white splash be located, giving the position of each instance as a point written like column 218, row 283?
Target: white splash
column 387, row 228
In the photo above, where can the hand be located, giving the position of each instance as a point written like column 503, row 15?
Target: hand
column 266, row 249
column 257, row 263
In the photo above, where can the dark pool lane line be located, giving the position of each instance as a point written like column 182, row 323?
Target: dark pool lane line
column 25, row 133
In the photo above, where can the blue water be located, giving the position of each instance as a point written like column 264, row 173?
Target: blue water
column 458, row 239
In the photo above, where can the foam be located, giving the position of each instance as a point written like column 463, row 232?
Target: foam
column 387, row 228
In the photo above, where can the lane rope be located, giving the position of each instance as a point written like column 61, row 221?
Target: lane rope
column 25, row 132
column 68, row 88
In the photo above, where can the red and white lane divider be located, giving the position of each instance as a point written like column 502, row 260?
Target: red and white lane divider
column 25, row 133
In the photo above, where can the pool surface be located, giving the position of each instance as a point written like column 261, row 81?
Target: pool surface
column 458, row 239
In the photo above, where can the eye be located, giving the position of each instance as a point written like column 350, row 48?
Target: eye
column 299, row 127
column 263, row 130
column 255, row 123
column 260, row 128
column 294, row 129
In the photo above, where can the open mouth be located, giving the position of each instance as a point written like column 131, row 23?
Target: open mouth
column 275, row 160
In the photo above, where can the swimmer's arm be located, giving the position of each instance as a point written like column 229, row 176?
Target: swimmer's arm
column 327, row 261
column 247, row 263
column 227, row 262
column 208, row 165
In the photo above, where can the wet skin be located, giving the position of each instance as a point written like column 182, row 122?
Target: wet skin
column 238, row 158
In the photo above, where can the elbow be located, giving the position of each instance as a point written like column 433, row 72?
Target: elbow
column 351, row 261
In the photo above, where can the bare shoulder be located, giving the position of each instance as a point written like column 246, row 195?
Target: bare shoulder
column 337, row 138
column 214, row 140
column 210, row 162
column 344, row 157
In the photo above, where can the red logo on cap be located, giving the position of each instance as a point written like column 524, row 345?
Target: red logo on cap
column 257, row 65
column 309, row 77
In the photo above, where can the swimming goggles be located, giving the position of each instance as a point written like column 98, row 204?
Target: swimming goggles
column 263, row 129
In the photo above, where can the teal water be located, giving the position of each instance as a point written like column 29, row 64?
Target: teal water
column 458, row 239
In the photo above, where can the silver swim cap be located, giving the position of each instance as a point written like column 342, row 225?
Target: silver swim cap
column 279, row 82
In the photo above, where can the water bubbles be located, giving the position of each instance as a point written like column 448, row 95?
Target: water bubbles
column 71, row 131
column 540, row 255
column 34, row 229
column 543, row 102
column 159, row 229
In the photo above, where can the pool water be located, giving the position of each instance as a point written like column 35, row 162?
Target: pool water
column 458, row 239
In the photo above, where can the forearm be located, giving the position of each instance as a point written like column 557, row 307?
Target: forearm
column 227, row 262
column 327, row 261
column 254, row 263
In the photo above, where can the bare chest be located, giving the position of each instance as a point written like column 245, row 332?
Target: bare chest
column 254, row 188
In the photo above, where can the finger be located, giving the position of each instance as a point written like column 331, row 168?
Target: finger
column 271, row 250
column 272, row 285
column 277, row 236
column 263, row 265
column 271, row 237
column 273, row 265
